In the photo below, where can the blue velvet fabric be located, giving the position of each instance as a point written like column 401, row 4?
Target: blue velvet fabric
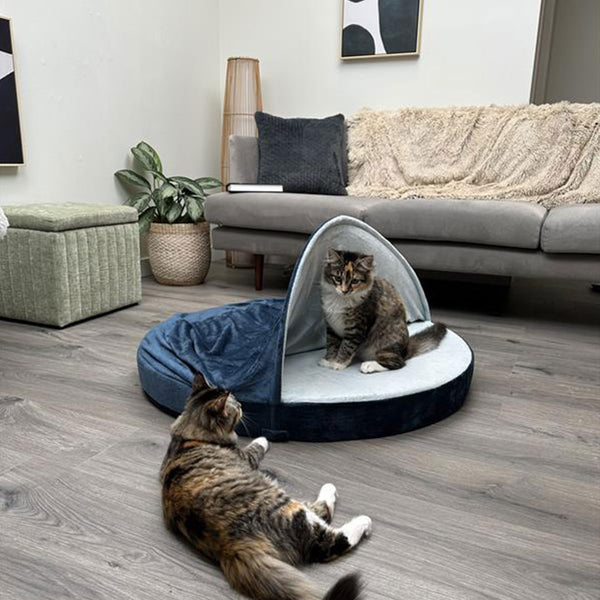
column 237, row 347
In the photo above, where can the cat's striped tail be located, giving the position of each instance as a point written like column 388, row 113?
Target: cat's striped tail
column 264, row 577
column 426, row 340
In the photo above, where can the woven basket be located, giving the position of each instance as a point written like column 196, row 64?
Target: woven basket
column 180, row 253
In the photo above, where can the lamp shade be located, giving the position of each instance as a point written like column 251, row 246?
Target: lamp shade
column 243, row 98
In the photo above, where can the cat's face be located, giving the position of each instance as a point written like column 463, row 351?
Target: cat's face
column 348, row 272
column 220, row 412
column 210, row 413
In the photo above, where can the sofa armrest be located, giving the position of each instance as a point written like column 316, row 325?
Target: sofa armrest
column 243, row 159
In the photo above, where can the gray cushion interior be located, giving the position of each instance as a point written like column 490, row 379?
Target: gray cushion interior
column 490, row 222
column 301, row 213
column 243, row 159
column 305, row 326
column 305, row 381
column 572, row 229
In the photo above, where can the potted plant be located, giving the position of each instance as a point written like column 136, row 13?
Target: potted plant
column 171, row 210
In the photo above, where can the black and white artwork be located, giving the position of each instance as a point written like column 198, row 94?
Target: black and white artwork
column 376, row 28
column 11, row 147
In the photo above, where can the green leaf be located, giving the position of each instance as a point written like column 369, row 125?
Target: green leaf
column 159, row 176
column 146, row 147
column 143, row 158
column 139, row 201
column 145, row 219
column 188, row 184
column 133, row 200
column 161, row 208
column 195, row 208
column 129, row 177
column 209, row 183
column 167, row 191
column 167, row 204
column 174, row 212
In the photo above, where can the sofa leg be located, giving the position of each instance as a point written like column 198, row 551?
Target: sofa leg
column 259, row 265
column 595, row 287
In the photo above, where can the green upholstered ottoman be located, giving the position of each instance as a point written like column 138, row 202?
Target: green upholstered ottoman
column 60, row 263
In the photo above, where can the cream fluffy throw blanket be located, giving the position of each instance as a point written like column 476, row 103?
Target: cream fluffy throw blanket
column 548, row 154
column 3, row 223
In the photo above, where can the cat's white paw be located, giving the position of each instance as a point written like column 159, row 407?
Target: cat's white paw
column 331, row 364
column 336, row 366
column 325, row 363
column 263, row 442
column 358, row 528
column 328, row 494
column 372, row 366
column 366, row 523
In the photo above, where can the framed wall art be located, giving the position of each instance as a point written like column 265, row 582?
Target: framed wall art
column 380, row 28
column 11, row 144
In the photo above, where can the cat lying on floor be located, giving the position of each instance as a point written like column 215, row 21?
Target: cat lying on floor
column 214, row 494
column 366, row 317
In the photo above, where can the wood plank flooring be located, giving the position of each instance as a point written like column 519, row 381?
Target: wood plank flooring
column 500, row 501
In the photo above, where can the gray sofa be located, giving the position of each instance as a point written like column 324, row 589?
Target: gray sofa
column 502, row 238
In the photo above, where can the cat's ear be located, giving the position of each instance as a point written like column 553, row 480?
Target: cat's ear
column 333, row 256
column 200, row 383
column 217, row 406
column 365, row 263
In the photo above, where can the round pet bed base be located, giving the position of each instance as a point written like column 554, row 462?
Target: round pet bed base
column 339, row 419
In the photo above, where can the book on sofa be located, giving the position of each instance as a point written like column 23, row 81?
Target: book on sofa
column 254, row 187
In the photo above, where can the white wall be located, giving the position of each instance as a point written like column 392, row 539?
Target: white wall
column 97, row 76
column 472, row 52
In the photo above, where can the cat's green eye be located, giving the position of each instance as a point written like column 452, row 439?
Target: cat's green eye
column 355, row 280
column 336, row 279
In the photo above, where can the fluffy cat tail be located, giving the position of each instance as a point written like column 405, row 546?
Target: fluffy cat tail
column 347, row 588
column 265, row 577
column 426, row 340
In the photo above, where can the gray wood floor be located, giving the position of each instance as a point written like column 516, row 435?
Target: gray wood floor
column 500, row 501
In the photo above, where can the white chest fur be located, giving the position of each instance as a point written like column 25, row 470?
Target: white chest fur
column 334, row 307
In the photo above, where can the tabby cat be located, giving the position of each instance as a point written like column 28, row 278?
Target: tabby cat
column 366, row 317
column 214, row 494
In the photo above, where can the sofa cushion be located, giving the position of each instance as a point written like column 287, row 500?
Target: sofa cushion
column 300, row 213
column 572, row 229
column 303, row 155
column 490, row 222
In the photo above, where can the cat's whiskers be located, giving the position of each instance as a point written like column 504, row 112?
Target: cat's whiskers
column 245, row 421
column 245, row 427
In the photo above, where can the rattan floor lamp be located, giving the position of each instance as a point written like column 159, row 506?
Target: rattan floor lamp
column 243, row 97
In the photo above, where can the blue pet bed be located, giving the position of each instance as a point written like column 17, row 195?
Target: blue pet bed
column 267, row 351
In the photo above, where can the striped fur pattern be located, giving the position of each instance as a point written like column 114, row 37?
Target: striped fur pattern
column 366, row 318
column 214, row 494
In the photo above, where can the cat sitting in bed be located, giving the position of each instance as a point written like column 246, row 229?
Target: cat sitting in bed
column 366, row 318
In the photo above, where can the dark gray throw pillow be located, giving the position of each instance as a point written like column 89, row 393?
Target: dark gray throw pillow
column 303, row 155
